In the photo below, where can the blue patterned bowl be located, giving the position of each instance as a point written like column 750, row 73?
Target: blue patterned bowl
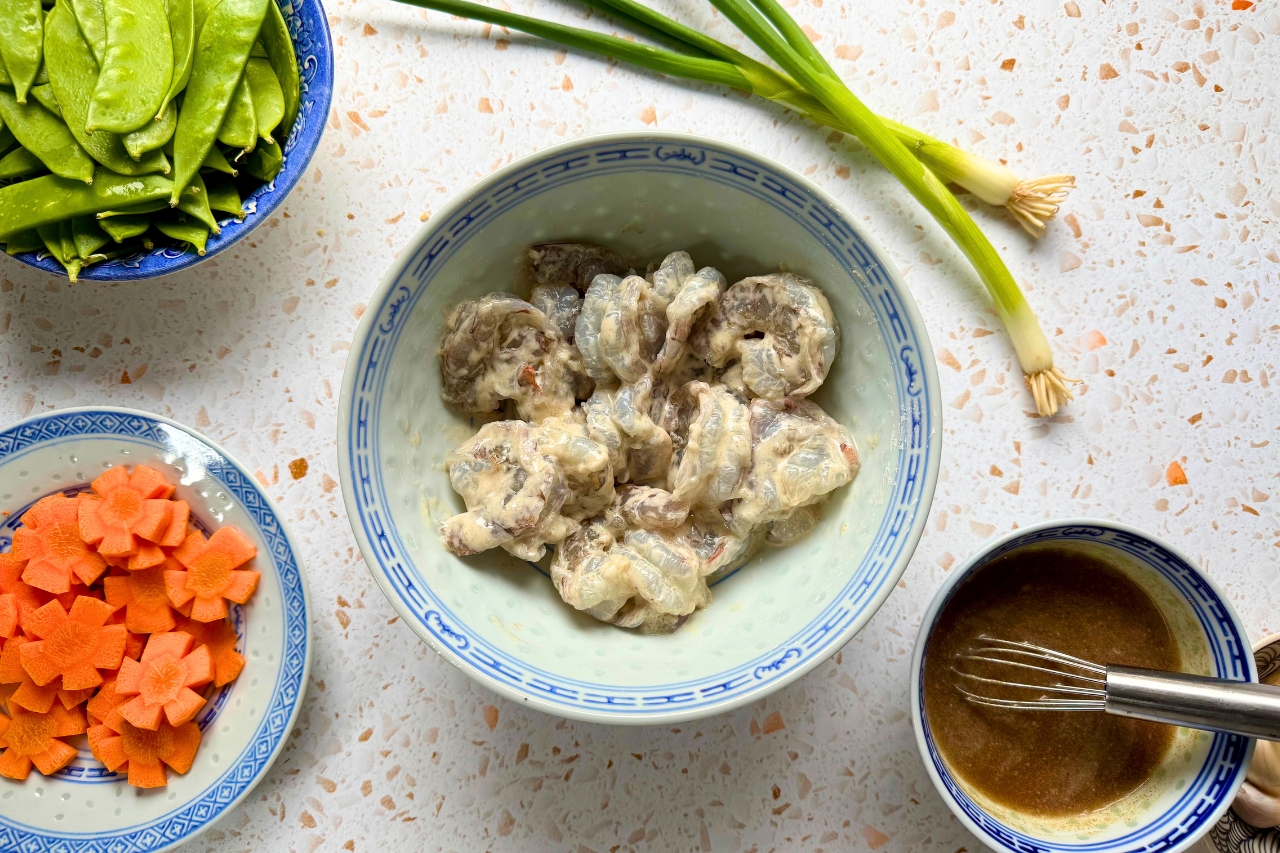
column 1199, row 777
column 309, row 30
column 499, row 619
column 85, row 807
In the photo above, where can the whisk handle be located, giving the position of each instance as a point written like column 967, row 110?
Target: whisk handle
column 1195, row 701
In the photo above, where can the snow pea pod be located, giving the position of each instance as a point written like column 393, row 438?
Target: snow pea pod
column 195, row 203
column 217, row 161
column 49, row 199
column 184, row 231
column 223, row 197
column 88, row 236
column 268, row 98
column 153, row 135
column 275, row 38
column 44, row 135
column 182, row 32
column 6, row 139
column 51, row 236
column 47, row 98
column 24, row 241
column 138, row 67
column 19, row 162
column 240, row 127
column 69, row 250
column 221, row 53
column 5, row 80
column 21, row 43
column 122, row 228
column 93, row 23
column 266, row 162
column 74, row 76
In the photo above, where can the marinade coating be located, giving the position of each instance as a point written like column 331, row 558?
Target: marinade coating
column 715, row 449
column 648, row 444
column 573, row 264
column 561, row 304
column 688, row 296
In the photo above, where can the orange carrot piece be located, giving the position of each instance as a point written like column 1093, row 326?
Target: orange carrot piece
column 50, row 542
column 147, row 482
column 143, row 597
column 106, row 746
column 126, row 512
column 10, row 620
column 75, row 645
column 143, row 750
column 162, row 680
column 104, row 702
column 25, row 596
column 33, row 697
column 11, row 671
column 220, row 637
column 177, row 531
column 33, row 739
column 212, row 577
column 74, row 698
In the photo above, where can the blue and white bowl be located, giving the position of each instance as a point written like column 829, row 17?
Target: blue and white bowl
column 84, row 807
column 499, row 619
column 1199, row 777
column 309, row 30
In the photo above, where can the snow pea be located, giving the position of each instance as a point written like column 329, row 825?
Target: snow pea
column 88, row 236
column 180, row 229
column 44, row 135
column 5, row 80
column 93, row 23
column 51, row 236
column 6, row 139
column 152, row 135
column 49, row 199
column 266, row 162
column 217, row 161
column 19, row 162
column 221, row 53
column 138, row 67
column 122, row 228
column 68, row 241
column 134, row 210
column 47, row 98
column 194, row 202
column 279, row 46
column 223, row 197
column 183, row 35
column 21, row 43
column 24, row 241
column 268, row 98
column 240, row 127
column 74, row 76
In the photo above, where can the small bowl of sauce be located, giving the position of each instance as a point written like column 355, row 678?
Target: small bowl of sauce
column 1078, row 781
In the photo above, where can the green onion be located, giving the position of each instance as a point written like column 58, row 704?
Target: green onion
column 811, row 86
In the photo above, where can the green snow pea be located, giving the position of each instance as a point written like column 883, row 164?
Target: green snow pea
column 47, row 98
column 217, row 161
column 266, row 162
column 182, row 32
column 74, row 75
column 279, row 46
column 51, row 236
column 134, row 209
column 138, row 67
column 21, row 43
column 240, row 127
column 222, row 51
column 200, row 10
column 88, row 236
column 93, row 23
column 184, row 231
column 268, row 97
column 19, row 162
column 24, row 241
column 223, row 197
column 49, row 199
column 69, row 250
column 44, row 135
column 6, row 139
column 195, row 203
column 153, row 135
column 41, row 76
column 122, row 228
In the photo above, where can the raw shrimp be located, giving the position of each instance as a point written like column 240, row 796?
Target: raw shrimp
column 561, row 304
column 675, row 269
column 574, row 264
column 602, row 294
column 695, row 300
column 648, row 444
column 502, row 348
column 647, row 507
column 588, row 576
column 716, row 449
column 604, row 430
column 582, row 462
column 620, row 329
column 798, row 340
column 666, row 571
column 799, row 456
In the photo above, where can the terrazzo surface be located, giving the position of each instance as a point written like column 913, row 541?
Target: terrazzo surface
column 1156, row 287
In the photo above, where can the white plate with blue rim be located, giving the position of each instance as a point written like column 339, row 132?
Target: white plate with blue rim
column 499, row 619
column 245, row 724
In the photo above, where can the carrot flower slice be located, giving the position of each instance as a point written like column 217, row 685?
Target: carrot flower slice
column 176, row 533
column 27, row 694
column 220, row 637
column 75, row 645
column 142, row 595
column 29, row 739
column 212, row 578
column 144, row 750
column 50, row 542
column 16, row 593
column 129, row 516
column 163, row 679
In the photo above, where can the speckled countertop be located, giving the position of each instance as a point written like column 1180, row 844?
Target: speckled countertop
column 1157, row 288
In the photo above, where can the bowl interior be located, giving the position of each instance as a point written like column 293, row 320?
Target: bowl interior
column 644, row 208
column 1199, row 767
column 245, row 722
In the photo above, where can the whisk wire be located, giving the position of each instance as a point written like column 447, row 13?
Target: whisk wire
column 1057, row 696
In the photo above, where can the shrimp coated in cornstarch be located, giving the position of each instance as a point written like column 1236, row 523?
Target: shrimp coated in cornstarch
column 647, row 507
column 798, row 337
column 689, row 296
column 716, row 447
column 620, row 329
column 589, row 577
column 573, row 264
column 648, row 444
column 561, row 303
column 665, row 570
column 799, row 456
column 502, row 348
column 582, row 462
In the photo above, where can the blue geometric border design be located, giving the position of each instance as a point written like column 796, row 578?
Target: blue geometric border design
column 247, row 769
column 1228, row 758
column 313, row 49
column 908, row 352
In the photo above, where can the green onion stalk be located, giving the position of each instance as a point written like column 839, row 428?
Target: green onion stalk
column 808, row 84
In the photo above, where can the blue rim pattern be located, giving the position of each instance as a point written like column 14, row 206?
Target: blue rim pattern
column 1217, row 780
column 313, row 49
column 244, row 771
column 883, row 562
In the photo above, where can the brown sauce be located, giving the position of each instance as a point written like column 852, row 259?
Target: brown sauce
column 1047, row 763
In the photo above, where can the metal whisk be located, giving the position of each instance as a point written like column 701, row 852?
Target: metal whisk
column 1195, row 701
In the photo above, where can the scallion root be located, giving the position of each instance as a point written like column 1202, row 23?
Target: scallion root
column 1034, row 202
column 1049, row 388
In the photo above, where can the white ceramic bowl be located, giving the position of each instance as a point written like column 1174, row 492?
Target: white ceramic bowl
column 84, row 807
column 1198, row 779
column 499, row 619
